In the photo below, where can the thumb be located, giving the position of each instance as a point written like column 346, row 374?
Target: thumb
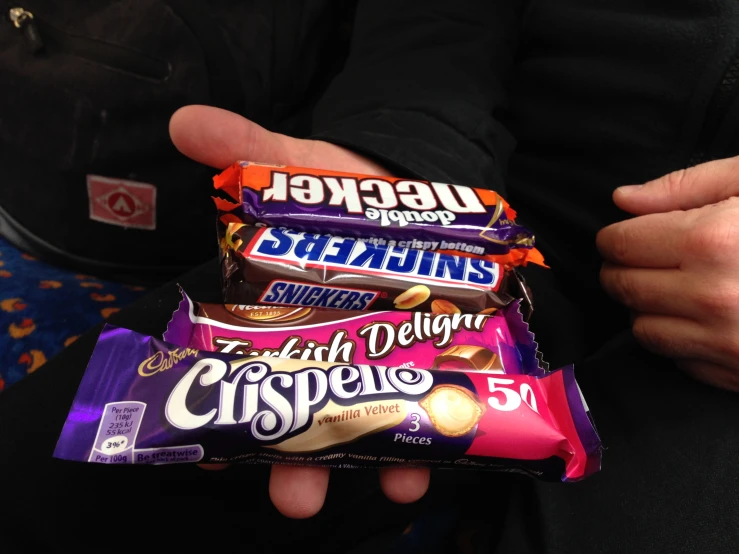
column 218, row 138
column 685, row 189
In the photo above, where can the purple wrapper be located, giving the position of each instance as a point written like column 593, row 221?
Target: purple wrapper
column 144, row 401
column 406, row 213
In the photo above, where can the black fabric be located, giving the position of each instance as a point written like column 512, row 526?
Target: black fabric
column 422, row 87
column 91, row 93
column 668, row 483
column 596, row 95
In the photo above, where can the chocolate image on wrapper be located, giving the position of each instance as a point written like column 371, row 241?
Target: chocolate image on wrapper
column 469, row 357
column 406, row 213
column 145, row 401
column 454, row 411
column 289, row 268
column 499, row 343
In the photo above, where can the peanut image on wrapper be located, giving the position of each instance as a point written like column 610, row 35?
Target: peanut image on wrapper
column 414, row 296
column 441, row 306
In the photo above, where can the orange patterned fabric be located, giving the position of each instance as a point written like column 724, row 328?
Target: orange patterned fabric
column 43, row 309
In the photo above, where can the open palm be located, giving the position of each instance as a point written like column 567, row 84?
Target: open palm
column 218, row 138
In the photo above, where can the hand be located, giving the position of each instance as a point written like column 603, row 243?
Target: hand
column 676, row 267
column 219, row 138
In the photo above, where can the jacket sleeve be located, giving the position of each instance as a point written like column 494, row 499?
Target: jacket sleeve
column 423, row 89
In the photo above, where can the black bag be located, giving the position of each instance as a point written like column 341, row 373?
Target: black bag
column 89, row 178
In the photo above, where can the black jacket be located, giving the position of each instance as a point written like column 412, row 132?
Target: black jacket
column 553, row 102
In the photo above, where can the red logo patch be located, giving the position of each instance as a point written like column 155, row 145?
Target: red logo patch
column 122, row 202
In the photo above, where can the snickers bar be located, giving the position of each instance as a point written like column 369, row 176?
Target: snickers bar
column 144, row 401
column 265, row 265
column 403, row 213
column 500, row 342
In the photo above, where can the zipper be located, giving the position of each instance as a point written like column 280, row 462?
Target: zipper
column 23, row 20
column 40, row 35
column 721, row 102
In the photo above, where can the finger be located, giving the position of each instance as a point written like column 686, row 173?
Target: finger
column 404, row 485
column 298, row 491
column 675, row 337
column 213, row 467
column 653, row 291
column 685, row 189
column 717, row 375
column 654, row 240
column 218, row 138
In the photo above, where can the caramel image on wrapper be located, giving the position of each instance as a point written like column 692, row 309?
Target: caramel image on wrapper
column 453, row 410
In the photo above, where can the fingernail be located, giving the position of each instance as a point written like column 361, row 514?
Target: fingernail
column 629, row 189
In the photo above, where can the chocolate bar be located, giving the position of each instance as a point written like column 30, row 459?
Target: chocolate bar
column 500, row 342
column 264, row 265
column 403, row 213
column 144, row 401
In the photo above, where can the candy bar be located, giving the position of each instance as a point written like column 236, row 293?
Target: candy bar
column 144, row 401
column 500, row 342
column 406, row 213
column 264, row 265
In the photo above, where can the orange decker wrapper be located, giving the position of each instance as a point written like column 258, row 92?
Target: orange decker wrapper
column 317, row 201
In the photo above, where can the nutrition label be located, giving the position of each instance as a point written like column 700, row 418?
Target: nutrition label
column 117, row 433
column 115, row 442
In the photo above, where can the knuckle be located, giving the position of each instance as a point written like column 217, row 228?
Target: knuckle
column 729, row 345
column 713, row 239
column 618, row 284
column 711, row 374
column 719, row 299
column 614, row 242
column 626, row 291
column 674, row 183
column 655, row 336
column 649, row 335
column 730, row 204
